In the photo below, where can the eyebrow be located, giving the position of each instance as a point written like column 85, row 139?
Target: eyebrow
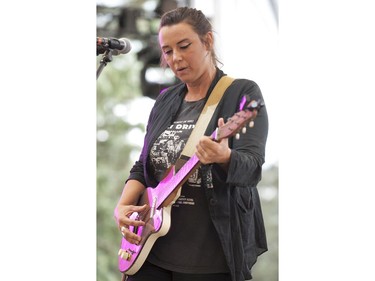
column 179, row 42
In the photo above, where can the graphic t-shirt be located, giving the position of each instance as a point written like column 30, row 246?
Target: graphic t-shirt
column 192, row 244
column 168, row 147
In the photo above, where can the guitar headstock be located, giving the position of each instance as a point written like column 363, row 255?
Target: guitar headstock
column 246, row 115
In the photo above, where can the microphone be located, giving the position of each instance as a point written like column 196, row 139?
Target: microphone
column 118, row 46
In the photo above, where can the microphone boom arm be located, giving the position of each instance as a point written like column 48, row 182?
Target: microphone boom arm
column 107, row 57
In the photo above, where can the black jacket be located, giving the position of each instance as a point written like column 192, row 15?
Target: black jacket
column 234, row 202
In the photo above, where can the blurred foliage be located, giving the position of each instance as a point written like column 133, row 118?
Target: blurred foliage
column 267, row 267
column 119, row 83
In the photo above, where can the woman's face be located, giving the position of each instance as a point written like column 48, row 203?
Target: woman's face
column 184, row 52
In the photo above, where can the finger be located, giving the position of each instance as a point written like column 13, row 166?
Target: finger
column 136, row 223
column 199, row 153
column 123, row 230
column 209, row 147
column 134, row 212
column 205, row 143
column 133, row 208
column 203, row 156
column 134, row 220
column 220, row 122
column 130, row 236
column 126, row 222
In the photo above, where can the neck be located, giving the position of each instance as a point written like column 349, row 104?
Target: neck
column 198, row 89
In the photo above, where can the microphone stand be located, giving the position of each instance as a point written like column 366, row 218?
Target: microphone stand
column 107, row 57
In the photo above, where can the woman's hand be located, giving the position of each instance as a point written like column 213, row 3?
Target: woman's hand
column 209, row 151
column 122, row 217
column 126, row 207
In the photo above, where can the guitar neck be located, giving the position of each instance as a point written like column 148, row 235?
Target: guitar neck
column 173, row 181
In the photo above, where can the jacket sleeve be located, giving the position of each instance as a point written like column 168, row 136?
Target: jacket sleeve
column 248, row 152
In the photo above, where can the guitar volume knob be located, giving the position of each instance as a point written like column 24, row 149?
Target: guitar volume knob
column 125, row 254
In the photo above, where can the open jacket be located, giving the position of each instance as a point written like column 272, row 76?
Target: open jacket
column 234, row 203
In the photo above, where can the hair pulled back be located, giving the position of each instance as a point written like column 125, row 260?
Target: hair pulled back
column 195, row 18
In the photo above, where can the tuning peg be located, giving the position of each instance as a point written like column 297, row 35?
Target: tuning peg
column 244, row 130
column 254, row 104
column 237, row 136
column 251, row 124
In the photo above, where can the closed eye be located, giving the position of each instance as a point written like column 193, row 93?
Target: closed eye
column 185, row 46
column 169, row 52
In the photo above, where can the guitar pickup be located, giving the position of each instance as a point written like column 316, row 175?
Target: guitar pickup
column 153, row 207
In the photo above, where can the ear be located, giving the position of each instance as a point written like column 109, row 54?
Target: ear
column 209, row 41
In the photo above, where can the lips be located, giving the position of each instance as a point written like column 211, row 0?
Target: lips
column 181, row 69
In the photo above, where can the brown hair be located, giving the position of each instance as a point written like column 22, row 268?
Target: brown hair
column 193, row 17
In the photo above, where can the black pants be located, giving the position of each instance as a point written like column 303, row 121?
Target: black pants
column 150, row 272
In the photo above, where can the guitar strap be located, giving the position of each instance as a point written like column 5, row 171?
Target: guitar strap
column 203, row 120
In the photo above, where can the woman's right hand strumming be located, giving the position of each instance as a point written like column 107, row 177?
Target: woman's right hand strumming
column 126, row 207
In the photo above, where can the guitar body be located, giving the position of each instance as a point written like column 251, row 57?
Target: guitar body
column 157, row 224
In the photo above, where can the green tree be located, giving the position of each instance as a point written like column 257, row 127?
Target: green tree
column 118, row 84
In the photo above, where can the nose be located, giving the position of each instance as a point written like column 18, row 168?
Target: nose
column 177, row 56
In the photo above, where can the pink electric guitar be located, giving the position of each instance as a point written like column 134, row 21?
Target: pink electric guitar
column 157, row 218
